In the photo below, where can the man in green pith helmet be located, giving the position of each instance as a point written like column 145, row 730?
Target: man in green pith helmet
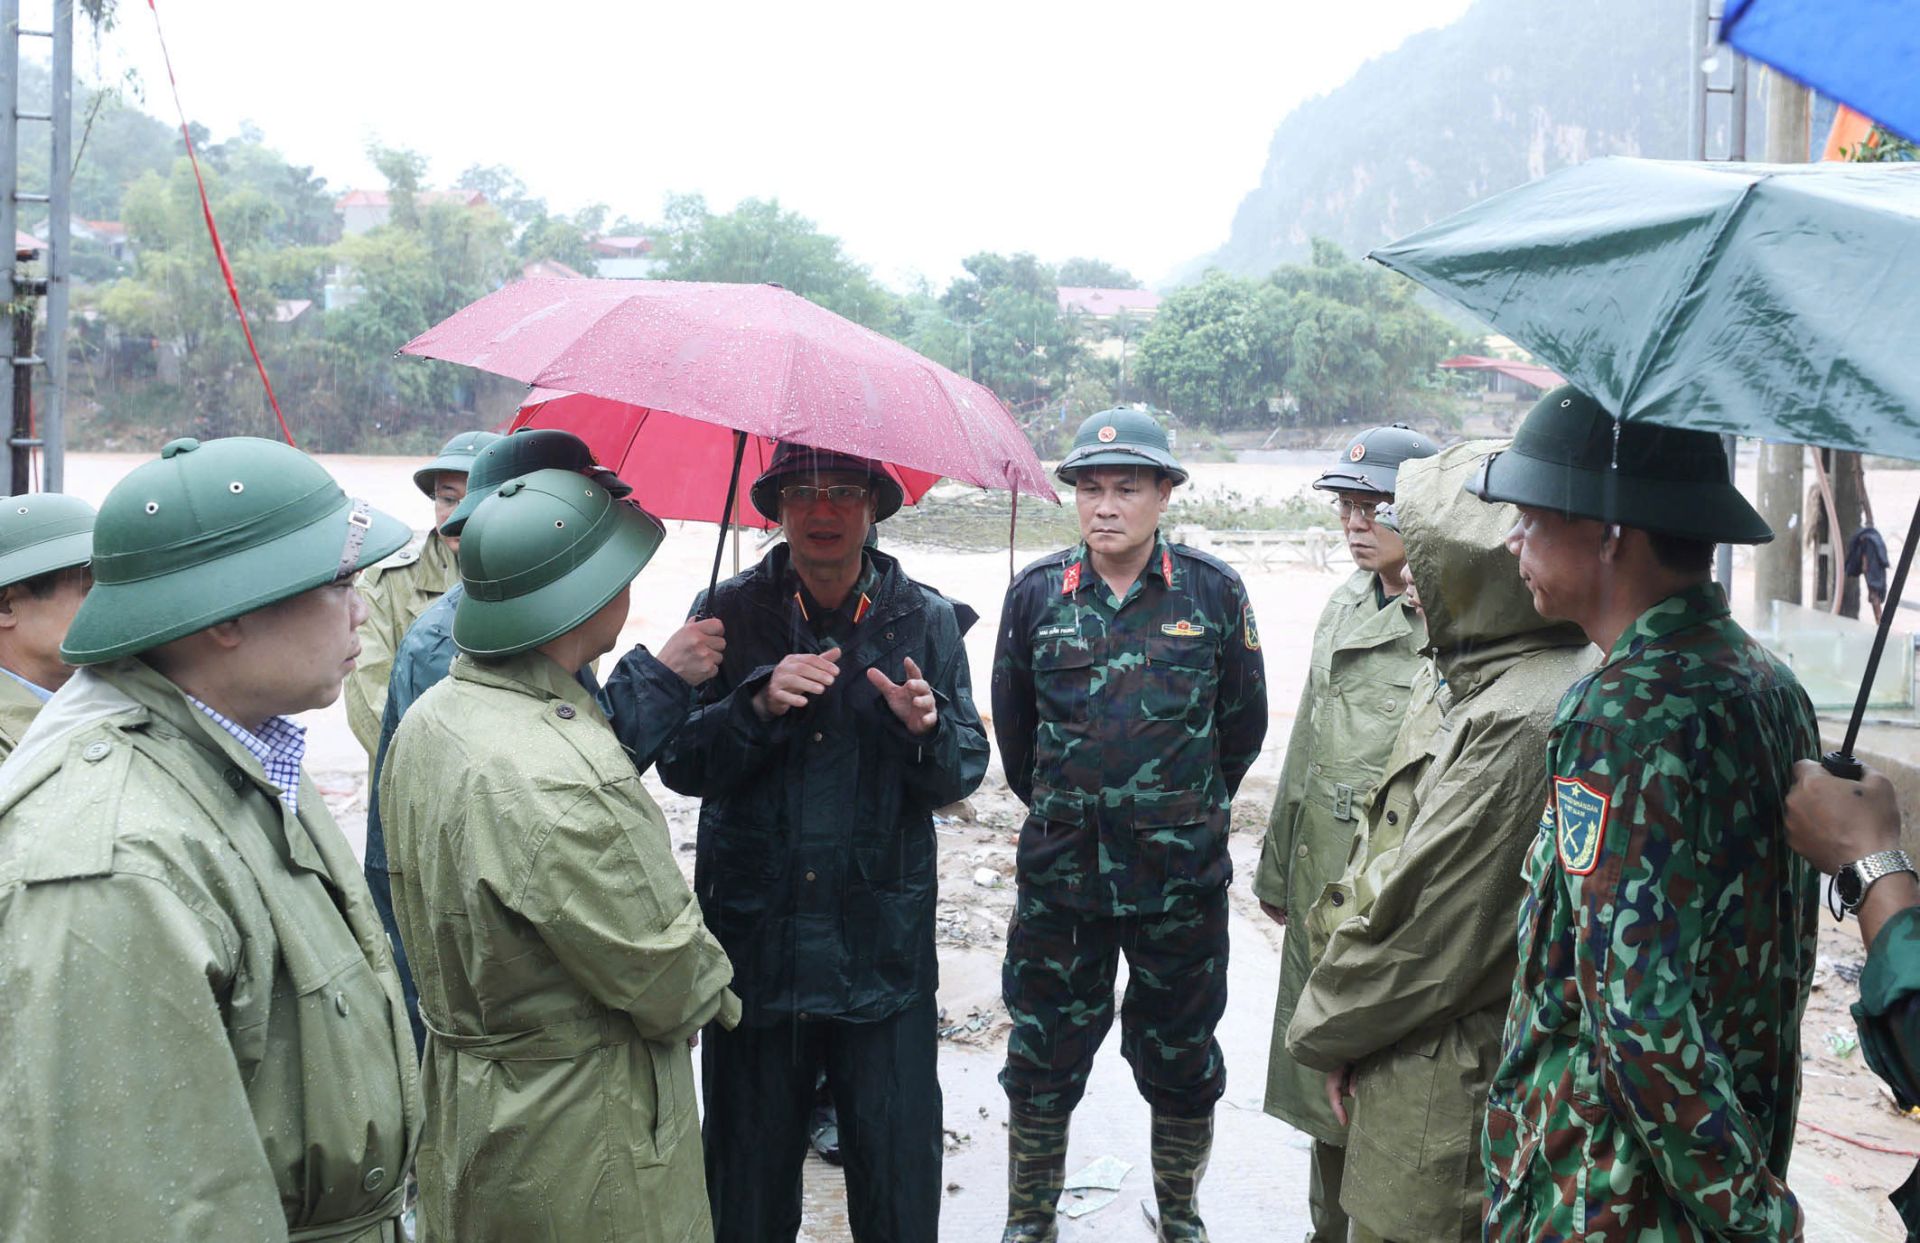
column 46, row 541
column 647, row 696
column 1412, row 947
column 1366, row 650
column 400, row 588
column 563, row 965
column 1129, row 699
column 1650, row 1073
column 204, row 1031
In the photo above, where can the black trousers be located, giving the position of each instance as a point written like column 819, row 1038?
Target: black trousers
column 758, row 1086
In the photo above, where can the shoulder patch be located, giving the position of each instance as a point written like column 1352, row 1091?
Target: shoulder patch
column 1045, row 563
column 405, row 557
column 1249, row 631
column 1580, row 815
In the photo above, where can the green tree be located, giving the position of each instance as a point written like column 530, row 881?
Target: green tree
column 1352, row 345
column 1004, row 317
column 403, row 171
column 1333, row 339
column 1208, row 354
column 760, row 241
column 1096, row 274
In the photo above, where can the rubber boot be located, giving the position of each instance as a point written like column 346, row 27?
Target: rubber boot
column 1036, row 1168
column 1181, row 1147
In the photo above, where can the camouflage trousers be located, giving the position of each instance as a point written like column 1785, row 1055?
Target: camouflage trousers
column 1057, row 982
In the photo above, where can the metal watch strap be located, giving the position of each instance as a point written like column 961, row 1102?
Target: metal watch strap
column 1870, row 869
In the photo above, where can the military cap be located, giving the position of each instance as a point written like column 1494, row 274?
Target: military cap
column 1121, row 437
column 41, row 532
column 1371, row 461
column 208, row 532
column 1571, row 455
column 456, row 458
column 543, row 553
column 791, row 459
column 525, row 451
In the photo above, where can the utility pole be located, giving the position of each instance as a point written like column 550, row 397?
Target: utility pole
column 1717, row 72
column 1783, row 490
column 16, row 367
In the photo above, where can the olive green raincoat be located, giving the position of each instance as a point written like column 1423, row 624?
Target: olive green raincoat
column 1414, row 944
column 18, row 707
column 562, row 965
column 202, row 1029
column 397, row 591
column 1364, row 659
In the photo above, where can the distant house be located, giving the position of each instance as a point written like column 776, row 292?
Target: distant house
column 111, row 234
column 362, row 211
column 25, row 246
column 1094, row 309
column 1104, row 304
column 551, row 267
column 624, row 257
column 1505, row 380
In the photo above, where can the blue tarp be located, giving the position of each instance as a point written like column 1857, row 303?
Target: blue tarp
column 1864, row 53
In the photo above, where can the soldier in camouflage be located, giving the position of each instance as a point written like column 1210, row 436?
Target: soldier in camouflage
column 1650, row 1070
column 1129, row 700
column 1366, row 650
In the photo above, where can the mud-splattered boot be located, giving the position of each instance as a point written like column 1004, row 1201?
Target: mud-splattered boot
column 1181, row 1147
column 1036, row 1168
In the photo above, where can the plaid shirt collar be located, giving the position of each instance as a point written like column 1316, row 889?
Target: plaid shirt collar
column 279, row 746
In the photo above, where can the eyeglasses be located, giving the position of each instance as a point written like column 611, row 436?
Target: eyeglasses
column 1366, row 510
column 841, row 495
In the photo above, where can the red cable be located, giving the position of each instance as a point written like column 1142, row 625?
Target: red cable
column 213, row 230
column 1858, row 1143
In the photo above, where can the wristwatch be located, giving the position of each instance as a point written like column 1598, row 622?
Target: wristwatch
column 1850, row 883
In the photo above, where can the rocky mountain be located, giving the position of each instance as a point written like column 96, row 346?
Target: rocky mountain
column 1511, row 91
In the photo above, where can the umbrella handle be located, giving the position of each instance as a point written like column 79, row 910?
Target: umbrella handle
column 1841, row 763
column 726, row 515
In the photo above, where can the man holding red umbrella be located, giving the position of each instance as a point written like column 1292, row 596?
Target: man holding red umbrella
column 841, row 717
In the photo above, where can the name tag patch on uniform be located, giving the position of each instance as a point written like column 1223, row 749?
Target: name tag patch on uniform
column 1055, row 632
column 1581, row 812
column 1183, row 629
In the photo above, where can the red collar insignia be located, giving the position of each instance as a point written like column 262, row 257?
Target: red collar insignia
column 1166, row 566
column 1070, row 581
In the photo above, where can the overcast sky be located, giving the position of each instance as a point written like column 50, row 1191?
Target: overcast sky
column 917, row 132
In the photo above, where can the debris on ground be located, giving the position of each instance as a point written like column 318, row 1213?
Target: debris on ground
column 1094, row 1187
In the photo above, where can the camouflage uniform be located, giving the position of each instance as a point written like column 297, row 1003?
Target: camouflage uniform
column 1650, row 1074
column 1126, row 726
column 1888, row 1015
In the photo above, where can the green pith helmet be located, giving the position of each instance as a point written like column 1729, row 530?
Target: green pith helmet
column 1371, row 461
column 1121, row 438
column 542, row 554
column 1572, row 456
column 790, row 459
column 527, row 450
column 211, row 531
column 41, row 532
column 456, row 458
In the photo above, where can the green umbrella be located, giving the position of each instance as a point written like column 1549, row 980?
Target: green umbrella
column 1770, row 300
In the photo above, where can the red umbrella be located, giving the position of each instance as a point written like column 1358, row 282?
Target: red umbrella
column 751, row 358
column 679, row 468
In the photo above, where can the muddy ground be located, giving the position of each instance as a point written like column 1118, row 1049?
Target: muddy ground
column 1256, row 1188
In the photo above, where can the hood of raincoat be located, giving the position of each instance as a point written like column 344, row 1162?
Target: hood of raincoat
column 1480, row 616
